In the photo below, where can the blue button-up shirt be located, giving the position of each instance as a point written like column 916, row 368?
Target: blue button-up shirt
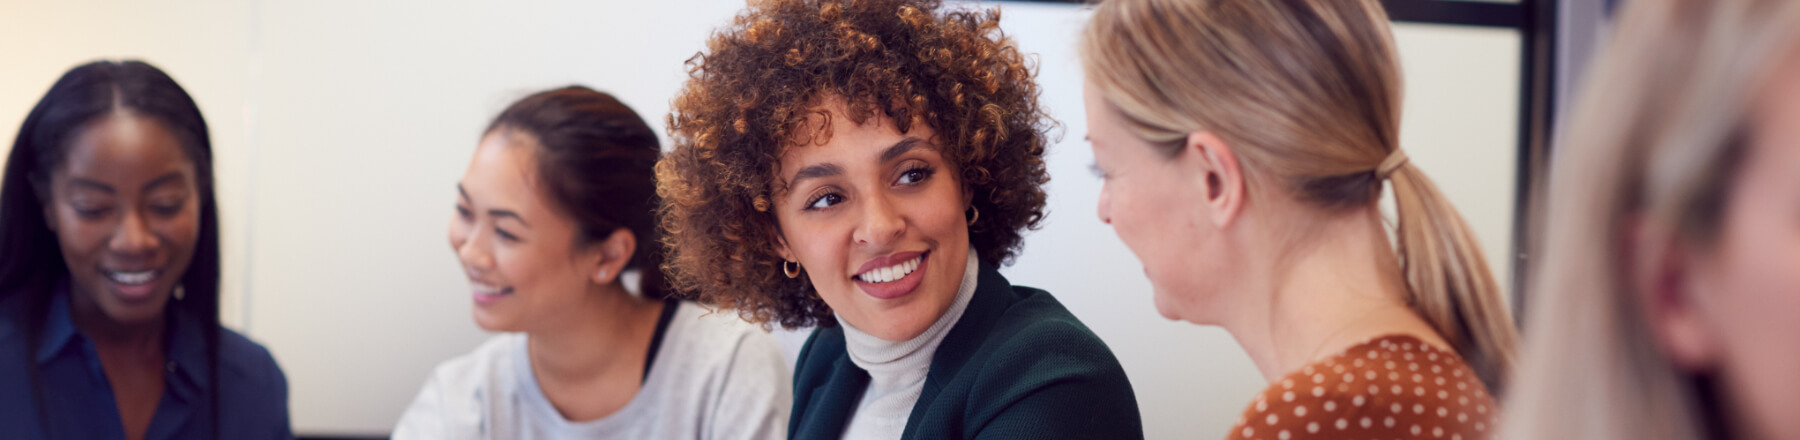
column 78, row 399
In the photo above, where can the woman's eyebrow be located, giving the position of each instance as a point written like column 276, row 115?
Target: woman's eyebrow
column 830, row 169
column 166, row 179
column 497, row 213
column 494, row 212
column 92, row 185
column 900, row 148
column 817, row 171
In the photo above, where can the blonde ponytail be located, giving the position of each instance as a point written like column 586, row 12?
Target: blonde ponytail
column 1448, row 280
column 1309, row 93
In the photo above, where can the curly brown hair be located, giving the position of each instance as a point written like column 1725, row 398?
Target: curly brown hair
column 746, row 102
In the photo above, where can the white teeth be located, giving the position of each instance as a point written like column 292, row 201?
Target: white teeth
column 486, row 289
column 890, row 273
column 131, row 278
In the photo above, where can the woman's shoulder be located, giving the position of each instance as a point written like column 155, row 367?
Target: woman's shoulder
column 1036, row 323
column 480, row 366
column 246, row 363
column 716, row 328
column 253, row 391
column 725, row 373
column 1009, row 329
column 1033, row 339
column 454, row 398
column 702, row 340
column 1388, row 387
column 1023, row 363
column 821, row 352
column 1010, row 317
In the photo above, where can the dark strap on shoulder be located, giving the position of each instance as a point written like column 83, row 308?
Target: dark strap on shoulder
column 656, row 339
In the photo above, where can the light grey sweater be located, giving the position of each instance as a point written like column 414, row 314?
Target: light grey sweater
column 715, row 377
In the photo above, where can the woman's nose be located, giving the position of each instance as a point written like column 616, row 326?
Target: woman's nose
column 133, row 236
column 881, row 223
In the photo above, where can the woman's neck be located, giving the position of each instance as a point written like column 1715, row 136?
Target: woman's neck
column 590, row 360
column 133, row 339
column 1337, row 285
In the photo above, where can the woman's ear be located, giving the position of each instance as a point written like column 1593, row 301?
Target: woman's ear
column 781, row 244
column 614, row 253
column 1667, row 277
column 1218, row 173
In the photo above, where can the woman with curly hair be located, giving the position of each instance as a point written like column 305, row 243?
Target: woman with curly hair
column 864, row 167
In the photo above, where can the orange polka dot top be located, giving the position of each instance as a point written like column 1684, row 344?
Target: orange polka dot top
column 1392, row 387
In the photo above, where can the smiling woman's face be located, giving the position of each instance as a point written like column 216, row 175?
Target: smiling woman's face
column 518, row 251
column 875, row 219
column 125, row 207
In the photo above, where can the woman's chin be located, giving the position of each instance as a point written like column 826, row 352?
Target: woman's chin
column 133, row 309
column 493, row 320
column 1166, row 306
column 135, row 313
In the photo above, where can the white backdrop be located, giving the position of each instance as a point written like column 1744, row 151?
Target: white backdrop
column 341, row 127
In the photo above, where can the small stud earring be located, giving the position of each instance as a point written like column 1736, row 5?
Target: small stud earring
column 602, row 274
column 180, row 293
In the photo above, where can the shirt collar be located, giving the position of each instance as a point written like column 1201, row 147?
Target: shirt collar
column 185, row 344
column 59, row 329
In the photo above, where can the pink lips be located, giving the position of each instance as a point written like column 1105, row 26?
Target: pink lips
column 133, row 292
column 488, row 298
column 896, row 288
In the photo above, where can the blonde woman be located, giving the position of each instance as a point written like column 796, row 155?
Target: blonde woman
column 1665, row 300
column 1244, row 146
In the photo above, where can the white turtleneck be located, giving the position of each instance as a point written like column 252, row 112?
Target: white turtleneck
column 897, row 369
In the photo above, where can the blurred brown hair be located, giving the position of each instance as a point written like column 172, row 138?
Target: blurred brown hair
column 596, row 159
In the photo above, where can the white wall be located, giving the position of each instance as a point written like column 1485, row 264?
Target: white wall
column 342, row 126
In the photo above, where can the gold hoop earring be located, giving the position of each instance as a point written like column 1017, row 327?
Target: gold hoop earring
column 974, row 214
column 790, row 273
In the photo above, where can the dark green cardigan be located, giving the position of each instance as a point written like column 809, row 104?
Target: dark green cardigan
column 1017, row 365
